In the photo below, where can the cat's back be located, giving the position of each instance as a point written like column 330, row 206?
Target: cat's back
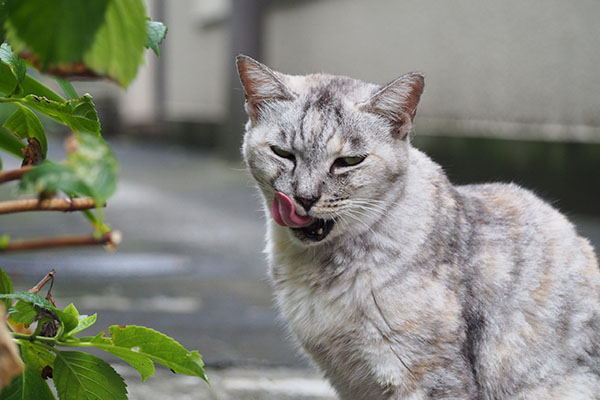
column 535, row 286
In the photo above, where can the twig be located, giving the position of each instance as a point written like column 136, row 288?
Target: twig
column 40, row 284
column 110, row 238
column 66, row 205
column 14, row 174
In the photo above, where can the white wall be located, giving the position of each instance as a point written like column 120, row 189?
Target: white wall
column 511, row 67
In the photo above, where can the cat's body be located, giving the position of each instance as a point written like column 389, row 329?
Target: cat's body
column 419, row 289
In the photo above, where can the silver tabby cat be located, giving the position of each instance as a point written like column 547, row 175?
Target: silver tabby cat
column 398, row 284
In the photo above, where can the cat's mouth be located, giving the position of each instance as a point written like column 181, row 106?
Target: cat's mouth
column 316, row 231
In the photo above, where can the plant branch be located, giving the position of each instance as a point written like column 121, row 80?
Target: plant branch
column 40, row 284
column 66, row 205
column 14, row 174
column 111, row 238
column 32, row 338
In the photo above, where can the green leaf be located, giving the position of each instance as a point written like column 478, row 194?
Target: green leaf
column 10, row 143
column 72, row 310
column 82, row 376
column 27, row 386
column 36, row 356
column 6, row 287
column 23, row 313
column 91, row 171
column 155, row 34
column 95, row 164
column 25, row 124
column 52, row 177
column 17, row 65
column 131, row 343
column 57, row 31
column 78, row 114
column 29, row 298
column 140, row 362
column 67, row 88
column 119, row 45
column 67, row 320
column 83, row 323
column 8, row 80
column 33, row 86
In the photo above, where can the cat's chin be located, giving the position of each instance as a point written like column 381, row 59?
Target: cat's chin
column 315, row 232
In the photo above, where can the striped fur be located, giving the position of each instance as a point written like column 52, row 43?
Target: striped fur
column 422, row 289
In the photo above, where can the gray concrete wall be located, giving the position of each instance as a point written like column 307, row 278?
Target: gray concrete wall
column 514, row 68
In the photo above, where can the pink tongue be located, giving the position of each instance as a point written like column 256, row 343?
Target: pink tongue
column 284, row 212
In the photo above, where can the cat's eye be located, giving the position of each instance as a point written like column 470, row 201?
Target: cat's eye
column 348, row 161
column 282, row 153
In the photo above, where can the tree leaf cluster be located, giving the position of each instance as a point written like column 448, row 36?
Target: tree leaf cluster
column 78, row 375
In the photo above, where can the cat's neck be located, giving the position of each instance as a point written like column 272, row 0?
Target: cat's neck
column 413, row 211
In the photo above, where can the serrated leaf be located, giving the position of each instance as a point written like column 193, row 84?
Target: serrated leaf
column 23, row 313
column 36, row 356
column 82, row 376
column 6, row 287
column 133, row 342
column 17, row 65
column 56, row 31
column 155, row 34
column 27, row 386
column 119, row 44
column 78, row 114
column 95, row 164
column 52, row 177
column 10, row 143
column 23, row 123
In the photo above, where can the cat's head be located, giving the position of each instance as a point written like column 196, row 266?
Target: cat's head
column 328, row 152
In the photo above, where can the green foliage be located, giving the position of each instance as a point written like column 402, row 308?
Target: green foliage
column 119, row 47
column 10, row 143
column 156, row 33
column 28, row 385
column 16, row 64
column 91, row 170
column 82, row 376
column 79, row 375
column 108, row 36
column 35, row 24
column 6, row 286
column 102, row 38
column 78, row 114
column 23, row 123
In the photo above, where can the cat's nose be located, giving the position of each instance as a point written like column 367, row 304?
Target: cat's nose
column 306, row 202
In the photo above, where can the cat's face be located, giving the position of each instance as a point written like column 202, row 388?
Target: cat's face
column 327, row 152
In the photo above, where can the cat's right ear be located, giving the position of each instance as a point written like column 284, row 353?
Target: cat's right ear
column 261, row 85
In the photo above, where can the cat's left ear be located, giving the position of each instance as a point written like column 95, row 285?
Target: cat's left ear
column 397, row 102
column 261, row 85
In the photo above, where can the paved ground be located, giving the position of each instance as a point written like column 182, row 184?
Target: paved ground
column 190, row 266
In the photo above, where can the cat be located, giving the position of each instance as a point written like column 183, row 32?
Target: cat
column 398, row 284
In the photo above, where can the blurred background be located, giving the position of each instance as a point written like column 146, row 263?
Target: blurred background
column 512, row 94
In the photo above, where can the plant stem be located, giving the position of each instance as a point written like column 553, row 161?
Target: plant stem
column 110, row 238
column 13, row 174
column 33, row 338
column 66, row 205
column 40, row 284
